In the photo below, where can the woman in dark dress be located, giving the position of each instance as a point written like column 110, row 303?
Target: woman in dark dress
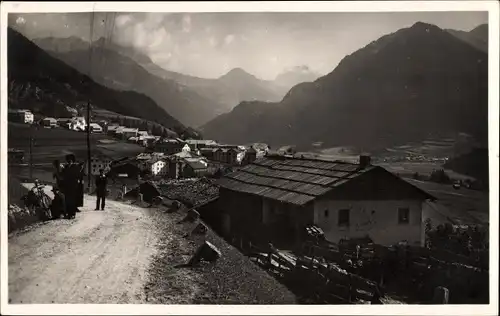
column 70, row 183
column 57, row 174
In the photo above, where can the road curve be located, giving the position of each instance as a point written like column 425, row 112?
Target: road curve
column 99, row 257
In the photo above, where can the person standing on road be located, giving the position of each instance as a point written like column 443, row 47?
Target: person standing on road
column 58, row 206
column 70, row 184
column 101, row 183
column 80, row 193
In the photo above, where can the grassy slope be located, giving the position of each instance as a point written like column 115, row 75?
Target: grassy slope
column 55, row 143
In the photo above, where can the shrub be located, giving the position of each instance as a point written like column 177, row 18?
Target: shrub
column 440, row 176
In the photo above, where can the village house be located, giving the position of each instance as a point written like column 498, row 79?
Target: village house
column 157, row 166
column 146, row 141
column 133, row 140
column 175, row 167
column 78, row 123
column 126, row 133
column 98, row 162
column 201, row 143
column 171, row 146
column 281, row 195
column 250, row 155
column 190, row 154
column 194, row 168
column 209, row 153
column 125, row 168
column 112, row 129
column 96, row 128
column 21, row 116
column 49, row 122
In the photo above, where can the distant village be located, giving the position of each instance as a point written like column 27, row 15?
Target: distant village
column 163, row 157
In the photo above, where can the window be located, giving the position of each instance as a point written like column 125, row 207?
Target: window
column 343, row 217
column 403, row 215
column 326, row 213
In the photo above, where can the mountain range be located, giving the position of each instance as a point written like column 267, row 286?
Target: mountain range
column 44, row 84
column 478, row 37
column 192, row 100
column 419, row 82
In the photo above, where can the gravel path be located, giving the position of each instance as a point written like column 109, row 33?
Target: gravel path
column 99, row 257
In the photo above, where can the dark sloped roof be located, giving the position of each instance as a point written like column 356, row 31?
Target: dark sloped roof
column 196, row 164
column 291, row 180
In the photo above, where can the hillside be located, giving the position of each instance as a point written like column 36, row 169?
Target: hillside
column 474, row 164
column 478, row 37
column 293, row 76
column 115, row 70
column 192, row 100
column 415, row 83
column 46, row 85
column 228, row 90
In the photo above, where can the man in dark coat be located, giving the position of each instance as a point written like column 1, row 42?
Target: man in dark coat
column 58, row 206
column 70, row 182
column 101, row 183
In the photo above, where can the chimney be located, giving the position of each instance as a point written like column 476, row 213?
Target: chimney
column 364, row 161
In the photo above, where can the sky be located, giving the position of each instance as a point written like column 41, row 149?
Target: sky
column 264, row 44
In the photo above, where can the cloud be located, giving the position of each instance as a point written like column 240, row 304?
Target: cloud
column 229, row 39
column 186, row 23
column 212, row 41
column 146, row 32
column 123, row 20
column 20, row 20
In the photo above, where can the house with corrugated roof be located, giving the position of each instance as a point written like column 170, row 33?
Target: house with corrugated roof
column 194, row 167
column 200, row 143
column 250, row 155
column 280, row 195
column 171, row 146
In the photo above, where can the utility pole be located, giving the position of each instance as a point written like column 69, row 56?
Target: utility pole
column 31, row 152
column 87, row 82
column 89, row 163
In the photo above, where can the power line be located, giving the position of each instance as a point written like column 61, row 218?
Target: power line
column 89, row 158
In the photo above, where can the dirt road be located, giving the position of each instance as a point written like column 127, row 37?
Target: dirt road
column 99, row 257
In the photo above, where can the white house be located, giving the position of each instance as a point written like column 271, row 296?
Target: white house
column 96, row 128
column 157, row 166
column 78, row 123
column 23, row 116
column 284, row 194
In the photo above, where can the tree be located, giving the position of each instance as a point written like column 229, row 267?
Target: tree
column 440, row 176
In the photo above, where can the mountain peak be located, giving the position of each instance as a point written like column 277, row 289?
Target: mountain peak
column 425, row 27
column 237, row 73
